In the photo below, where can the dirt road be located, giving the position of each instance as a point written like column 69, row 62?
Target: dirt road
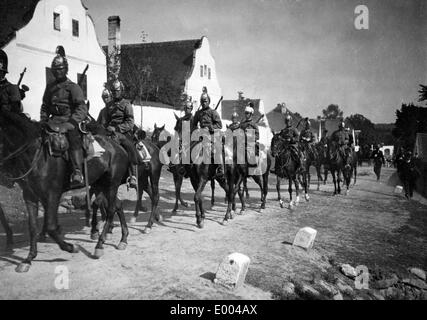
column 371, row 226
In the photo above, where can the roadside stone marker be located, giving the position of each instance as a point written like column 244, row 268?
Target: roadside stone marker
column 305, row 238
column 232, row 271
column 398, row 189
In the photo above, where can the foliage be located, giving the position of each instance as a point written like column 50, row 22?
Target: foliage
column 423, row 93
column 410, row 120
column 332, row 112
column 368, row 134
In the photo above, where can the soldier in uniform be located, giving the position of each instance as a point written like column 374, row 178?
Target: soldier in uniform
column 291, row 137
column 249, row 123
column 235, row 123
column 117, row 117
column 64, row 103
column 10, row 96
column 209, row 119
column 379, row 160
column 342, row 138
column 307, row 138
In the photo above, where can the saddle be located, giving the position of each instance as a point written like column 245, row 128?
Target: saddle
column 56, row 139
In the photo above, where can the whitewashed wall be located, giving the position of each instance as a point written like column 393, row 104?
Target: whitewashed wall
column 34, row 48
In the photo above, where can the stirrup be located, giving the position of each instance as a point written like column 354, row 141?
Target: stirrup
column 132, row 182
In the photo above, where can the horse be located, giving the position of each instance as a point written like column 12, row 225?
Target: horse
column 3, row 220
column 350, row 170
column 285, row 167
column 313, row 158
column 46, row 178
column 337, row 165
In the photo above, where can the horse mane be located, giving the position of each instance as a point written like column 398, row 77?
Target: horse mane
column 20, row 124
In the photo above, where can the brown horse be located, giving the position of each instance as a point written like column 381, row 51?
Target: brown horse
column 46, row 178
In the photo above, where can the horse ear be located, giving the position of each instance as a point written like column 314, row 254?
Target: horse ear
column 163, row 128
column 155, row 125
column 176, row 117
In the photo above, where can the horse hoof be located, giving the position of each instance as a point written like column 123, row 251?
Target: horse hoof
column 108, row 236
column 132, row 220
column 347, row 192
column 122, row 246
column 174, row 211
column 224, row 222
column 242, row 212
column 98, row 253
column 42, row 237
column 281, row 204
column 263, row 206
column 307, row 198
column 201, row 224
column 23, row 267
column 185, row 204
column 147, row 230
column 76, row 249
column 159, row 218
column 100, row 226
column 94, row 236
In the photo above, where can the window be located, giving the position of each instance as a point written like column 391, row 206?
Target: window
column 56, row 21
column 201, row 71
column 83, row 83
column 49, row 76
column 75, row 28
column 206, row 70
column 209, row 73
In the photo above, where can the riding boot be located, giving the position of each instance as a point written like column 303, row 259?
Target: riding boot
column 133, row 181
column 77, row 180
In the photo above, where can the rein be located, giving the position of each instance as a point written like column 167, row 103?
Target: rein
column 33, row 163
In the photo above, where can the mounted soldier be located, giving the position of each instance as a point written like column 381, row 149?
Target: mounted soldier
column 342, row 138
column 307, row 138
column 207, row 118
column 10, row 96
column 235, row 123
column 64, row 107
column 249, row 124
column 117, row 117
column 290, row 135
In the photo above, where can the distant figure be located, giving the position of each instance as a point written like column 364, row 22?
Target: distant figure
column 379, row 161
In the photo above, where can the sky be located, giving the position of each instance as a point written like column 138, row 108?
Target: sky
column 306, row 53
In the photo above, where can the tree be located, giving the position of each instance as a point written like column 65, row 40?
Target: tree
column 332, row 112
column 368, row 134
column 423, row 93
column 410, row 120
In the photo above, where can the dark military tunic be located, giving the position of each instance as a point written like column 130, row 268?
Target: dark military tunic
column 290, row 135
column 250, row 124
column 63, row 101
column 341, row 137
column 118, row 115
column 10, row 97
column 307, row 136
column 208, row 118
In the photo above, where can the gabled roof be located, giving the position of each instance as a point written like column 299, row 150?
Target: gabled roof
column 231, row 106
column 169, row 65
column 14, row 15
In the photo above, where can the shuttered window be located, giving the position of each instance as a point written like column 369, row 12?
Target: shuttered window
column 56, row 21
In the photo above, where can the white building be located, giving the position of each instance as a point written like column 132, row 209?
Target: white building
column 31, row 31
column 156, row 74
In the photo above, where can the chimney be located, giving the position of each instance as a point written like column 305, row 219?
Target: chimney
column 114, row 48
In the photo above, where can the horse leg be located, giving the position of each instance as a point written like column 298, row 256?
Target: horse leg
column 339, row 181
column 319, row 177
column 259, row 182
column 326, row 175
column 245, row 188
column 154, row 179
column 213, row 192
column 230, row 200
column 279, row 197
column 177, row 181
column 303, row 184
column 125, row 232
column 334, row 181
column 198, row 200
column 138, row 201
column 355, row 174
column 31, row 204
column 111, row 200
column 51, row 221
column 242, row 201
column 94, row 232
column 6, row 227
column 290, row 192
column 237, row 187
